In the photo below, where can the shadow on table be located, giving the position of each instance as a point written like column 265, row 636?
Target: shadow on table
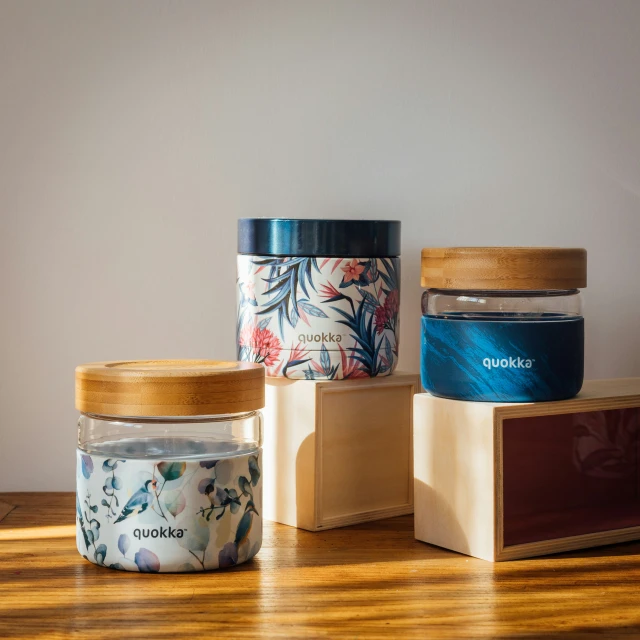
column 359, row 580
column 332, row 580
column 244, row 603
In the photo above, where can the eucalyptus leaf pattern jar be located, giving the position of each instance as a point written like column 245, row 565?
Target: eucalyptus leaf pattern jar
column 169, row 464
column 503, row 324
column 319, row 299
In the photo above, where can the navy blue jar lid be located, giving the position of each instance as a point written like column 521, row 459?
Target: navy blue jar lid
column 329, row 238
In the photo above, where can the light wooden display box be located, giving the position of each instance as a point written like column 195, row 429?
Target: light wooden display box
column 338, row 452
column 460, row 481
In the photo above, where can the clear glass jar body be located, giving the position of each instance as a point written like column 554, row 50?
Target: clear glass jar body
column 502, row 346
column 170, row 437
column 171, row 493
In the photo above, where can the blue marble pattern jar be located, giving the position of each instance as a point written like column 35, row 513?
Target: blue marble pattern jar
column 500, row 326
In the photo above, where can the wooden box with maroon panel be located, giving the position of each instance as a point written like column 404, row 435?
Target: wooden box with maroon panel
column 507, row 481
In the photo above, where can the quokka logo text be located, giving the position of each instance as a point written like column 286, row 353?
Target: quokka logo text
column 161, row 532
column 306, row 338
column 508, row 363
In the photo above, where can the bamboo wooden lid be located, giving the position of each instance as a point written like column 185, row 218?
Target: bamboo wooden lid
column 504, row 268
column 169, row 388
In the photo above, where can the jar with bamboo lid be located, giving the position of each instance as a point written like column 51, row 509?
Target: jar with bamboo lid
column 169, row 467
column 503, row 324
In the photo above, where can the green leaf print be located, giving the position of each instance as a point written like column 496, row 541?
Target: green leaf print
column 171, row 470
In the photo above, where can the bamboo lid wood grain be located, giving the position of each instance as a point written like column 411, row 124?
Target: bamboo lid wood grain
column 504, row 268
column 169, row 388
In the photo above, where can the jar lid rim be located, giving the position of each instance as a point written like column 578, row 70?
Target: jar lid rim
column 148, row 388
column 314, row 237
column 504, row 268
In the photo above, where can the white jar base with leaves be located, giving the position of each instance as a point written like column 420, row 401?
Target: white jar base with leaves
column 160, row 491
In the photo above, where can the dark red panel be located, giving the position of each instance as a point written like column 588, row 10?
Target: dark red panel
column 570, row 474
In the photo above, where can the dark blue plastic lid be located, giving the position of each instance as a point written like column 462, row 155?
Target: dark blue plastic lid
column 330, row 238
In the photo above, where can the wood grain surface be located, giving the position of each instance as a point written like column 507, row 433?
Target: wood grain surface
column 169, row 387
column 366, row 581
column 514, row 268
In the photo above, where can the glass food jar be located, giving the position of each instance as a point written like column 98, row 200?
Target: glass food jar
column 319, row 299
column 503, row 324
column 169, row 464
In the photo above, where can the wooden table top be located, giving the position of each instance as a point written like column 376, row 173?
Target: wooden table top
column 366, row 581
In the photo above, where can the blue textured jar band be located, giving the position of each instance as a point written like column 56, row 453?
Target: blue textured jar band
column 503, row 361
column 327, row 238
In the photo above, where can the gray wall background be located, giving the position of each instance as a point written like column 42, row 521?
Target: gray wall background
column 134, row 134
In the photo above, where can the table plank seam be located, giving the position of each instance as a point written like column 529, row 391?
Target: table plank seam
column 5, row 510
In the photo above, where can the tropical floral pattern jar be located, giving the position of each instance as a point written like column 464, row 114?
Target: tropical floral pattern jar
column 169, row 464
column 319, row 299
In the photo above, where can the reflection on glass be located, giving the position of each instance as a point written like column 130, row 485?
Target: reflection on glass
column 570, row 474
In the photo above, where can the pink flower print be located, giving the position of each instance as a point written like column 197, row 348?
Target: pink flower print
column 328, row 291
column 298, row 352
column 380, row 319
column 352, row 270
column 387, row 314
column 263, row 344
column 392, row 303
column 350, row 366
column 250, row 288
column 297, row 355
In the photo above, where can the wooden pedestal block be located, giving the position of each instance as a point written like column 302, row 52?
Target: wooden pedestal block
column 338, row 453
column 506, row 481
